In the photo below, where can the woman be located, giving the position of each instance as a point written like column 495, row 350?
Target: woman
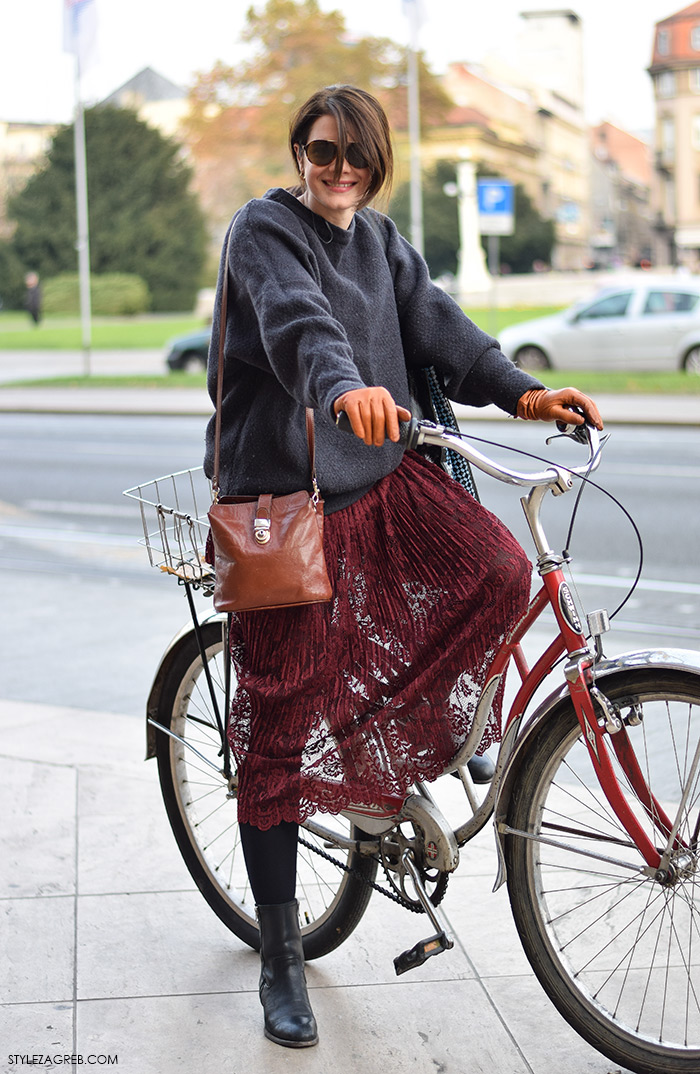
column 353, row 700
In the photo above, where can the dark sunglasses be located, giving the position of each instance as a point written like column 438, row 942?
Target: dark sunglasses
column 322, row 152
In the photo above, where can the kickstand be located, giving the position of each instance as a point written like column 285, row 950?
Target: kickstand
column 433, row 945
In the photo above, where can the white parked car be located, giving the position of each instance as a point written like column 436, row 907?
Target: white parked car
column 652, row 323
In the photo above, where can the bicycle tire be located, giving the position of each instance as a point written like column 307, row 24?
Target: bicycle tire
column 616, row 952
column 203, row 817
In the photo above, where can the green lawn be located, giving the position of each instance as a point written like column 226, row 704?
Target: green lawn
column 153, row 331
column 493, row 320
column 63, row 332
column 108, row 333
column 623, row 383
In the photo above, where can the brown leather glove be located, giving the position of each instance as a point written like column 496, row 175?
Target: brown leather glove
column 373, row 414
column 541, row 404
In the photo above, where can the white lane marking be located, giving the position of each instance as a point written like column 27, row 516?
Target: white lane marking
column 51, row 535
column 610, row 581
column 643, row 470
column 63, row 507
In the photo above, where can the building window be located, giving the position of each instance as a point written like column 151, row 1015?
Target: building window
column 695, row 131
column 663, row 43
column 694, row 78
column 668, row 140
column 666, row 84
column 695, row 38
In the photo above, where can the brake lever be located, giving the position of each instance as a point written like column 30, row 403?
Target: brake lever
column 576, row 432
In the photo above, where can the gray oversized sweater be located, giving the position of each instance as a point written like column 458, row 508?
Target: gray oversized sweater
column 315, row 311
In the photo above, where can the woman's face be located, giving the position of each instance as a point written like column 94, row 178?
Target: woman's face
column 335, row 200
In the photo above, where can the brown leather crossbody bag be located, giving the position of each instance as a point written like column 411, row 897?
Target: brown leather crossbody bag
column 268, row 550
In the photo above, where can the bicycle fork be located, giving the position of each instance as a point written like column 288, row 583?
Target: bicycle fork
column 585, row 695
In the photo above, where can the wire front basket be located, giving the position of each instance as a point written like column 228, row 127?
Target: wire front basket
column 175, row 524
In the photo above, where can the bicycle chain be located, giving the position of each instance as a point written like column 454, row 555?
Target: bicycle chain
column 415, row 908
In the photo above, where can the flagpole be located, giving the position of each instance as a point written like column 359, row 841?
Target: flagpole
column 81, row 202
column 416, row 194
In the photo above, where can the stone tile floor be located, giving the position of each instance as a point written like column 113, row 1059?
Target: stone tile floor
column 109, row 950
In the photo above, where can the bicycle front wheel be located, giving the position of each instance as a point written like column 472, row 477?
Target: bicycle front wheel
column 333, row 885
column 616, row 950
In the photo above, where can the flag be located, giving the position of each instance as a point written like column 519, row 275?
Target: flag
column 80, row 29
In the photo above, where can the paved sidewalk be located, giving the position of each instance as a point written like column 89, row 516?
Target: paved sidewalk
column 634, row 410
column 108, row 949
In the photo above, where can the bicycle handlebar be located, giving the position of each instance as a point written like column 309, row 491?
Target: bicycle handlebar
column 416, row 433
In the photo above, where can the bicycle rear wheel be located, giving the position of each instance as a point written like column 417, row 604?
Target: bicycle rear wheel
column 333, row 885
column 617, row 951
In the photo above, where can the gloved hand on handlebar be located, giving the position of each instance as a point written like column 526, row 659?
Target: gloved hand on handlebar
column 373, row 414
column 541, row 404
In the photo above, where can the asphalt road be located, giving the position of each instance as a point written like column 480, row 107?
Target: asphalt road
column 85, row 618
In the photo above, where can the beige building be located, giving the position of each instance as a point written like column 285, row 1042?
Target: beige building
column 526, row 122
column 23, row 149
column 155, row 99
column 621, row 213
column 675, row 73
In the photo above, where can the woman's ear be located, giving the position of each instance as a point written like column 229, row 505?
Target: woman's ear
column 300, row 158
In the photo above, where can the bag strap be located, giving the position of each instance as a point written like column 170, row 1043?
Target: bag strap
column 310, row 431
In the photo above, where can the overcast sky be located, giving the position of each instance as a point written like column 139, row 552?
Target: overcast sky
column 179, row 37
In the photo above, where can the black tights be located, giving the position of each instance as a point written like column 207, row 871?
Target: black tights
column 271, row 861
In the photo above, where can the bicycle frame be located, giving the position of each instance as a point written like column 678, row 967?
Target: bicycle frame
column 598, row 721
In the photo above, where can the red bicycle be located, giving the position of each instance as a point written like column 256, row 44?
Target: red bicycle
column 595, row 800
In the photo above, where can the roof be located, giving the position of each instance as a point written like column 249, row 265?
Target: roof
column 691, row 9
column 631, row 155
column 676, row 29
column 147, row 86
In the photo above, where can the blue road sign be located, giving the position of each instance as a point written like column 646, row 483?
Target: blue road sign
column 496, row 202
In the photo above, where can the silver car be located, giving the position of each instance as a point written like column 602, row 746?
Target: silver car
column 651, row 324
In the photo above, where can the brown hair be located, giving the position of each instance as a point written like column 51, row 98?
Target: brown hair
column 351, row 108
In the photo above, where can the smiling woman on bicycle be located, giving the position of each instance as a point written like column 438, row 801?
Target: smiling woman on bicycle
column 353, row 700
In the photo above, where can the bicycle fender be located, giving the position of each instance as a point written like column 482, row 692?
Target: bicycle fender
column 670, row 659
column 166, row 660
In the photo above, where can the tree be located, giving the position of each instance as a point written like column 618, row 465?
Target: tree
column 440, row 218
column 143, row 217
column 237, row 129
column 532, row 241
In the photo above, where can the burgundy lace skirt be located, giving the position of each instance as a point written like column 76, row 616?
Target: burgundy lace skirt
column 338, row 703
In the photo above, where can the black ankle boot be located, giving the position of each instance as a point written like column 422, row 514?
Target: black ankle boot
column 481, row 769
column 289, row 1019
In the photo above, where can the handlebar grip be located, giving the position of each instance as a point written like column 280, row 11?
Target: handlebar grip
column 408, row 430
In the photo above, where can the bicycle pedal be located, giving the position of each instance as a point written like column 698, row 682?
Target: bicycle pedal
column 421, row 952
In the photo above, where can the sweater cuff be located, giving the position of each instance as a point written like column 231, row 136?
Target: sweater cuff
column 339, row 389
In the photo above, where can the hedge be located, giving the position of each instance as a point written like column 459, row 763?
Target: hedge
column 113, row 294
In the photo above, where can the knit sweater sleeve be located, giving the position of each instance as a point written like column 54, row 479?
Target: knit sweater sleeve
column 277, row 285
column 436, row 332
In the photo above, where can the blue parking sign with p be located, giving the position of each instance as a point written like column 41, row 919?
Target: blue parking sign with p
column 496, row 203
